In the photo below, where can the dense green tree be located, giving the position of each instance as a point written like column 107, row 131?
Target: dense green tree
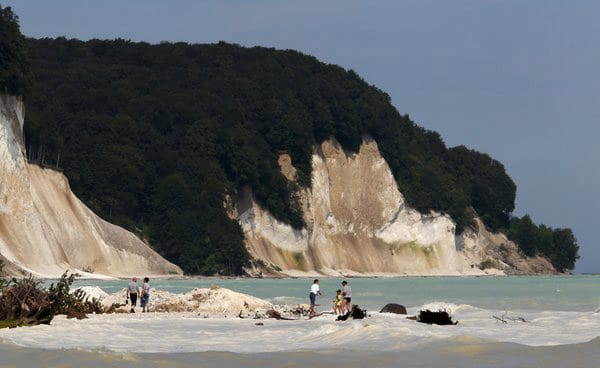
column 524, row 232
column 566, row 250
column 492, row 191
column 558, row 245
column 15, row 75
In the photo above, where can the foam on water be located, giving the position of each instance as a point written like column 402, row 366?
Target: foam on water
column 170, row 333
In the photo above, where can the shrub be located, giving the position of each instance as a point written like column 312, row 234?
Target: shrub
column 488, row 263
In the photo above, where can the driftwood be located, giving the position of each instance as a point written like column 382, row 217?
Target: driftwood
column 435, row 318
column 505, row 318
column 271, row 313
column 76, row 314
column 24, row 304
column 500, row 319
column 356, row 313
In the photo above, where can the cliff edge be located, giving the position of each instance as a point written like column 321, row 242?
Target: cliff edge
column 358, row 224
column 45, row 229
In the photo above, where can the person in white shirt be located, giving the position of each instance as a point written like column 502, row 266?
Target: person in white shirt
column 314, row 291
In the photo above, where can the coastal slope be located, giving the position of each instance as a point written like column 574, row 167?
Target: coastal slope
column 169, row 153
column 358, row 223
column 45, row 229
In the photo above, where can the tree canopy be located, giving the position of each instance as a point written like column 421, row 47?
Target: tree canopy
column 15, row 76
column 558, row 245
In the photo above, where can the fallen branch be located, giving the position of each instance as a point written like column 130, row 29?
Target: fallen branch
column 517, row 319
column 505, row 318
column 25, row 303
column 500, row 319
column 274, row 314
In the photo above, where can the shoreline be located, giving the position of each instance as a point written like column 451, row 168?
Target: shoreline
column 310, row 277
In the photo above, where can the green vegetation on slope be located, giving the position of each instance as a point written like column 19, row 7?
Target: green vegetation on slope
column 153, row 137
column 559, row 245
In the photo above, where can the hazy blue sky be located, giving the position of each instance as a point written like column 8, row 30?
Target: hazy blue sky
column 519, row 80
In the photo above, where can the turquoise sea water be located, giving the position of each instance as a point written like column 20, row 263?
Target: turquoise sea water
column 560, row 293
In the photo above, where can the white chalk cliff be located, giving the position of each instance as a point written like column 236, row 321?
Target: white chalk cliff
column 45, row 229
column 358, row 223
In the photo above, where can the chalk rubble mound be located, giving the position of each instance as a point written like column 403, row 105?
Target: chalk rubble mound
column 204, row 301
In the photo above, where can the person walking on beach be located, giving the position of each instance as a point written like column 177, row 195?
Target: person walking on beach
column 145, row 295
column 132, row 290
column 347, row 293
column 314, row 291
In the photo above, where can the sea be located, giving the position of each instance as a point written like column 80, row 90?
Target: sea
column 532, row 321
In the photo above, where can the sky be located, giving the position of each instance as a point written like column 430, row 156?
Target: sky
column 519, row 80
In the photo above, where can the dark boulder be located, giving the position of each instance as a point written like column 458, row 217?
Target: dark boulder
column 393, row 308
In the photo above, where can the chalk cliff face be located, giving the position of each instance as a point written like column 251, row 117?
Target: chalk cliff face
column 45, row 229
column 359, row 224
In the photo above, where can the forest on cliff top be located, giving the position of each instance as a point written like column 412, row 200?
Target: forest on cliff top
column 154, row 137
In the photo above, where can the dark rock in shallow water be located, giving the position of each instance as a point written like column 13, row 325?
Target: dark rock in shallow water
column 437, row 318
column 393, row 308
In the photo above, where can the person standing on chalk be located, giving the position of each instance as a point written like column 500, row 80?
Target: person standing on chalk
column 133, row 291
column 314, row 291
column 145, row 295
column 347, row 293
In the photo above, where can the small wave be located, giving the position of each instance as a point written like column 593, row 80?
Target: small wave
column 451, row 308
column 285, row 300
column 278, row 298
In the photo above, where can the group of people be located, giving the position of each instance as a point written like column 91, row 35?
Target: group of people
column 342, row 302
column 133, row 291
